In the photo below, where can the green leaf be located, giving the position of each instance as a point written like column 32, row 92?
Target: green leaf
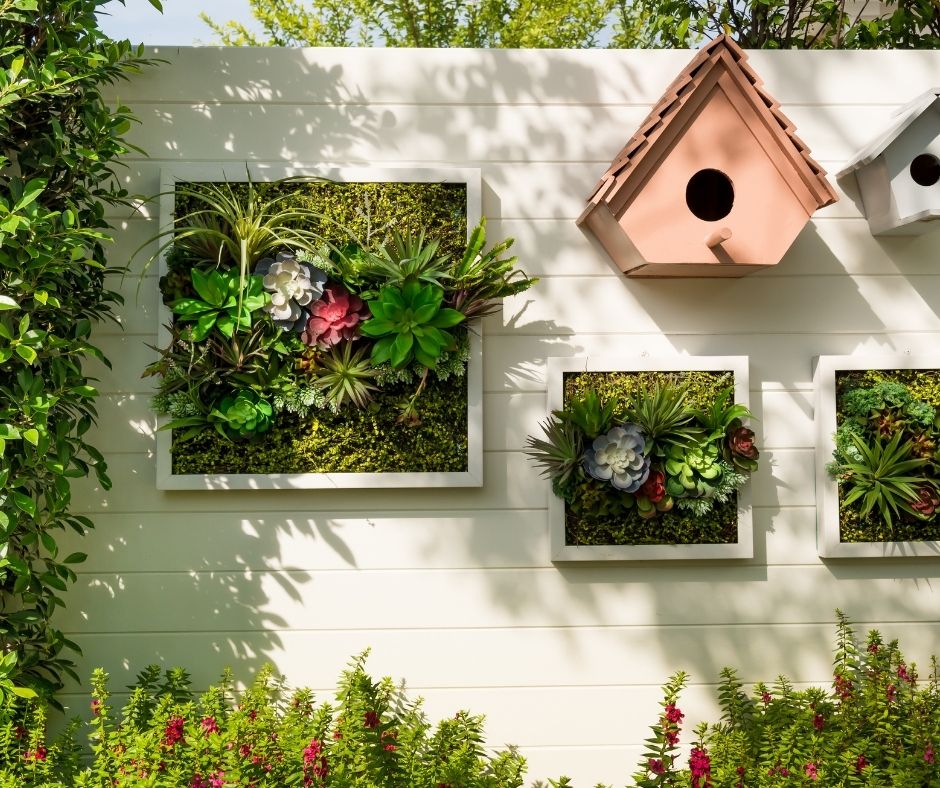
column 447, row 318
column 24, row 503
column 8, row 303
column 30, row 193
column 24, row 692
column 31, row 435
column 26, row 353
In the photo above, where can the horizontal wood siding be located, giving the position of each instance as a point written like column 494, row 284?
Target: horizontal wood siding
column 453, row 589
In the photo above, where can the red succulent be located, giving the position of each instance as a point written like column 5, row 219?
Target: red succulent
column 654, row 488
column 741, row 443
column 334, row 318
column 927, row 501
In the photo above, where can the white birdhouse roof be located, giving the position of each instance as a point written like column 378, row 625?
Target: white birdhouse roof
column 902, row 119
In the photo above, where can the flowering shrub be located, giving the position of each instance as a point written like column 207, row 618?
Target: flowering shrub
column 878, row 724
column 886, row 458
column 640, row 457
column 264, row 737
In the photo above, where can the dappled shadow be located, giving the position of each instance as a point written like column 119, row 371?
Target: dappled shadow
column 454, row 589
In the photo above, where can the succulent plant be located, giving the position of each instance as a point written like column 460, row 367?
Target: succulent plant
column 693, row 472
column 409, row 324
column 651, row 498
column 618, row 457
column 293, row 285
column 739, row 448
column 220, row 303
column 589, row 414
column 927, row 501
column 334, row 318
column 242, row 414
column 664, row 416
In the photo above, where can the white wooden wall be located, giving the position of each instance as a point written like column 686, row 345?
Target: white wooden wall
column 453, row 590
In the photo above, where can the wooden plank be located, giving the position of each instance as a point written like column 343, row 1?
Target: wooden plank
column 511, row 190
column 504, row 658
column 335, row 77
column 262, row 541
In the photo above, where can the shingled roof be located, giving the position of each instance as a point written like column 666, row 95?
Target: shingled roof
column 722, row 53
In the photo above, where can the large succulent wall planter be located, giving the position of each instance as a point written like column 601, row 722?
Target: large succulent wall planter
column 471, row 476
column 841, row 533
column 736, row 367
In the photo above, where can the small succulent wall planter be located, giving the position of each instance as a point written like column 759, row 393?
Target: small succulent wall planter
column 654, row 524
column 333, row 317
column 877, row 456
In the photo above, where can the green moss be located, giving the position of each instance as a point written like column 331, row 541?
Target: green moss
column 353, row 441
column 624, row 526
column 370, row 211
column 923, row 385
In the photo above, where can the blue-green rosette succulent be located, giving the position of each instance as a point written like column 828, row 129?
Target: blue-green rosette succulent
column 618, row 457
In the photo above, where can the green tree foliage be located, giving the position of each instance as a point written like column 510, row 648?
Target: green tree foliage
column 573, row 24
column 58, row 139
column 566, row 24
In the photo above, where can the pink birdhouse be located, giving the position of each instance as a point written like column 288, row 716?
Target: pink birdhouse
column 714, row 183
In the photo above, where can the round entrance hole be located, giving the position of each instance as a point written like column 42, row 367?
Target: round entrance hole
column 709, row 195
column 925, row 169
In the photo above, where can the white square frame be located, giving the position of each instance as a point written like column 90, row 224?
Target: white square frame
column 563, row 553
column 239, row 172
column 828, row 543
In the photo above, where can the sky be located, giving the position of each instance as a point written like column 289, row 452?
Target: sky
column 179, row 24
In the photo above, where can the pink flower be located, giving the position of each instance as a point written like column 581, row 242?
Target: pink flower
column 655, row 765
column 860, row 763
column 39, row 754
column 209, row 725
column 672, row 738
column 811, row 771
column 818, row 722
column 245, row 750
column 217, row 780
column 891, row 693
column 928, row 754
column 391, row 747
column 701, row 768
column 315, row 759
column 96, row 707
column 173, row 732
column 765, row 697
column 334, row 318
column 843, row 687
column 198, row 782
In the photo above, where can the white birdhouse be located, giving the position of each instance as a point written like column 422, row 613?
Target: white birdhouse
column 898, row 173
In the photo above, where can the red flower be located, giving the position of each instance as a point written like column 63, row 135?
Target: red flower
column 209, row 725
column 334, row 318
column 928, row 754
column 891, row 693
column 672, row 738
column 244, row 750
column 860, row 763
column 173, row 731
column 818, row 722
column 700, row 766
column 811, row 771
column 843, row 687
column 673, row 714
column 654, row 488
column 765, row 696
column 371, row 719
column 96, row 707
column 39, row 754
column 391, row 747
column 655, row 765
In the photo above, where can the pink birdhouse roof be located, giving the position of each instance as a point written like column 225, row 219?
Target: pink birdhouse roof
column 623, row 178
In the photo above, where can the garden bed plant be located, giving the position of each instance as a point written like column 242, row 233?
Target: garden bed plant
column 321, row 327
column 881, row 483
column 647, row 457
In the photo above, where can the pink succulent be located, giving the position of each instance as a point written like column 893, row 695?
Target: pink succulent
column 334, row 318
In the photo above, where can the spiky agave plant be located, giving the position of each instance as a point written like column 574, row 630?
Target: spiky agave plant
column 882, row 479
column 346, row 376
column 664, row 416
column 406, row 258
column 559, row 454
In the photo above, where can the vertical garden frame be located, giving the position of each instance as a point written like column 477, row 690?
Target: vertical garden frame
column 828, row 536
column 562, row 552
column 259, row 173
